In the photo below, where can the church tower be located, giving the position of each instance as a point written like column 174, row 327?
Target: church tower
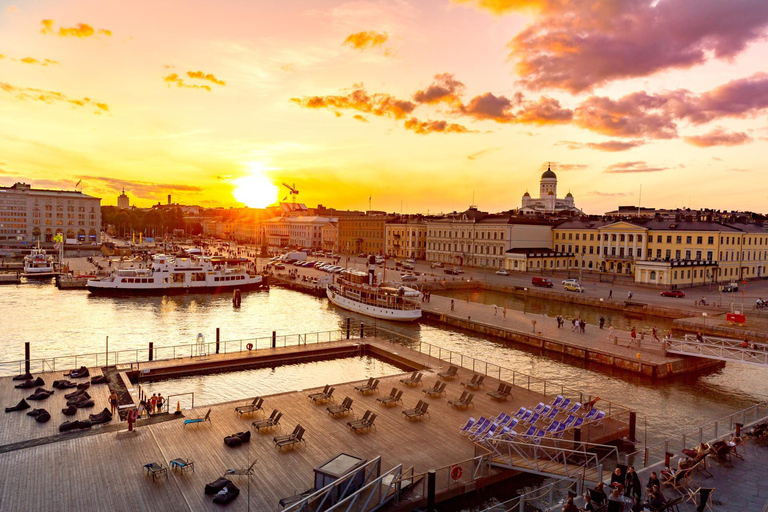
column 548, row 184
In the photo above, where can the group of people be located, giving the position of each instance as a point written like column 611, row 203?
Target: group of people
column 578, row 324
column 152, row 405
column 627, row 485
column 426, row 296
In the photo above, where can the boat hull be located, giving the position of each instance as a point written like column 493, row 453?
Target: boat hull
column 133, row 292
column 395, row 315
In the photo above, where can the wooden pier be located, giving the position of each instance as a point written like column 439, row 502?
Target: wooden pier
column 102, row 469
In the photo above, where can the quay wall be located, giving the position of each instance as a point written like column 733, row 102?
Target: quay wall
column 673, row 367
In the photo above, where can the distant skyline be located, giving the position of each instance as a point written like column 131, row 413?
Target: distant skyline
column 424, row 104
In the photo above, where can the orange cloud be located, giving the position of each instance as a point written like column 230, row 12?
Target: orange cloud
column 12, row 8
column 445, row 88
column 718, row 137
column 81, row 30
column 50, row 97
column 360, row 118
column 500, row 7
column 174, row 78
column 44, row 62
column 202, row 76
column 426, row 127
column 632, row 168
column 366, row 40
column 378, row 104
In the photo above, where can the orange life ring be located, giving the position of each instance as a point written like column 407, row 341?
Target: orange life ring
column 133, row 415
column 456, row 472
column 249, row 346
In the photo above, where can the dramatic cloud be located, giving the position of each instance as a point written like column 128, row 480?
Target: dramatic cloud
column 142, row 189
column 488, row 106
column 608, row 194
column 634, row 115
column 614, row 146
column 81, row 30
column 445, row 88
column 718, row 137
column 44, row 62
column 425, row 127
column 360, row 118
column 557, row 166
column 738, row 98
column 50, row 97
column 578, row 45
column 174, row 78
column 203, row 76
column 366, row 40
column 631, row 168
column 378, row 104
column 483, row 152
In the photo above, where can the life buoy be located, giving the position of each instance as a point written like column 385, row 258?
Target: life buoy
column 456, row 472
column 249, row 346
column 133, row 415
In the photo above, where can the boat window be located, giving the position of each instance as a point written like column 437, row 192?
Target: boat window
column 178, row 277
column 215, row 278
column 123, row 280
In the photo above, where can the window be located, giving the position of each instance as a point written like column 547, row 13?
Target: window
column 658, row 253
column 621, row 238
column 632, row 238
column 699, row 239
column 687, row 254
column 689, row 239
column 710, row 240
column 669, row 239
column 658, row 239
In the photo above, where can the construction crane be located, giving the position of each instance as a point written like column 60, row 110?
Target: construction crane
column 291, row 191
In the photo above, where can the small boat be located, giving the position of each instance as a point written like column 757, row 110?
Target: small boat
column 359, row 292
column 38, row 264
column 173, row 275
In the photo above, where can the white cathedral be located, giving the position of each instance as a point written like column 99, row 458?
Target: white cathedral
column 547, row 202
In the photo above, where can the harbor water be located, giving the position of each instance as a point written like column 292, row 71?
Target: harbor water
column 75, row 322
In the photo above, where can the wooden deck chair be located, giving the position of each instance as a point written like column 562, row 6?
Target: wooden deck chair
column 470, row 382
column 463, row 402
column 367, row 385
column 391, row 399
column 450, row 373
column 342, row 409
column 255, row 406
column 325, row 390
column 293, row 440
column 365, row 417
column 241, row 472
column 205, row 418
column 268, row 423
column 414, row 379
column 479, row 383
column 366, row 425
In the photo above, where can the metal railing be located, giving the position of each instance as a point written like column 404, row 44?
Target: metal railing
column 541, row 498
column 472, row 470
column 340, row 489
column 722, row 349
column 653, row 455
column 374, row 495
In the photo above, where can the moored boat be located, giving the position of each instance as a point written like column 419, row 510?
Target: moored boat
column 38, row 264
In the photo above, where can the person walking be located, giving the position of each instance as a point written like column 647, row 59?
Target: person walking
column 573, row 324
column 632, row 336
column 160, row 401
column 610, row 333
column 610, row 293
column 113, row 402
column 495, row 310
column 602, row 322
column 504, row 312
column 629, row 295
column 451, row 304
column 583, row 325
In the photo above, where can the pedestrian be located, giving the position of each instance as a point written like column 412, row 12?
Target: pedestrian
column 113, row 402
column 495, row 310
column 699, row 337
column 629, row 295
column 632, row 336
column 602, row 322
column 610, row 333
column 582, row 325
column 451, row 304
column 160, row 401
column 504, row 312
column 142, row 407
column 610, row 293
column 152, row 404
column 573, row 324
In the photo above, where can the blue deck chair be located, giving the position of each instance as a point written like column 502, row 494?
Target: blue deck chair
column 190, row 421
column 520, row 412
column 557, row 402
column 468, row 425
column 539, row 407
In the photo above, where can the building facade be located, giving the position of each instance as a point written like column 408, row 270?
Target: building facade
column 406, row 237
column 330, row 236
column 123, row 201
column 363, row 233
column 548, row 202
column 29, row 215
column 302, row 232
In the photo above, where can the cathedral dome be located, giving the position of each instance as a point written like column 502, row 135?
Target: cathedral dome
column 526, row 194
column 548, row 174
column 550, row 193
column 569, row 194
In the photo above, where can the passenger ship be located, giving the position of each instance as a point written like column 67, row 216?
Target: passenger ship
column 172, row 275
column 38, row 263
column 358, row 291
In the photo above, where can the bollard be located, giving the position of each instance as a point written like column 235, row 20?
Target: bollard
column 26, row 357
column 362, row 330
column 348, row 327
column 274, row 339
column 218, row 339
column 151, row 350
column 431, row 490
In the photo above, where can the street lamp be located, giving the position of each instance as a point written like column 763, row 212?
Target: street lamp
column 704, row 315
column 525, row 300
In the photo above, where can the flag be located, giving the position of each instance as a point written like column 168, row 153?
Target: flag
column 58, row 237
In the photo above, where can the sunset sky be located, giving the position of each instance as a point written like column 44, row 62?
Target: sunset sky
column 420, row 105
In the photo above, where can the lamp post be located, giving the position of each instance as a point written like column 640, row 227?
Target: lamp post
column 525, row 300
column 704, row 315
column 601, row 306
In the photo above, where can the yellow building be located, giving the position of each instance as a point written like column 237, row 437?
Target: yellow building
column 406, row 238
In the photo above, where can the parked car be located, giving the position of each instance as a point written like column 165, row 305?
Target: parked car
column 280, row 266
column 571, row 281
column 452, row 271
column 408, row 277
column 730, row 287
column 407, row 266
column 541, row 281
column 573, row 287
column 502, row 272
column 436, row 264
column 411, row 261
column 673, row 293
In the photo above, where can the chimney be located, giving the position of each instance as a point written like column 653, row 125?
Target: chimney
column 169, row 198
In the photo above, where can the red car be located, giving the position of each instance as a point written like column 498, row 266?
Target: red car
column 673, row 293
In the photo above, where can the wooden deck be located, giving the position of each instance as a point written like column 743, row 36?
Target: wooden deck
column 105, row 471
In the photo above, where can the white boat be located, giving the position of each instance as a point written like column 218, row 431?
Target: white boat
column 38, row 263
column 173, row 275
column 359, row 292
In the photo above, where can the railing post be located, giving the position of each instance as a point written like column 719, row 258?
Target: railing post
column 632, row 426
column 151, row 351
column 362, row 330
column 348, row 327
column 218, row 340
column 26, row 357
column 274, row 339
column 431, row 490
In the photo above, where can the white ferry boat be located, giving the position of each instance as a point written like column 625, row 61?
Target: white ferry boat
column 173, row 275
column 38, row 264
column 359, row 292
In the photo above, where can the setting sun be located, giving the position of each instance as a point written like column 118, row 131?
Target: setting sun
column 255, row 191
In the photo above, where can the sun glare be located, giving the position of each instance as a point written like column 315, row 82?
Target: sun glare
column 255, row 191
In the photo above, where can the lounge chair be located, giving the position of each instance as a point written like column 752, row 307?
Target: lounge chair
column 255, row 406
column 472, row 381
column 340, row 410
column 205, row 418
column 217, row 485
column 450, row 373
column 104, row 416
column 558, row 401
column 241, row 472
column 480, row 425
column 368, row 389
column 552, row 428
column 295, row 432
column 420, row 411
column 413, row 380
column 364, row 426
column 541, row 408
column 464, row 429
column 520, row 412
column 64, row 384
column 29, row 383
column 436, row 390
column 502, row 393
column 392, row 399
column 463, row 402
column 182, row 465
column 292, row 440
column 366, row 415
column 99, row 379
column 323, row 397
column 479, row 383
column 325, row 390
column 367, row 385
column 269, row 423
column 533, row 419
column 24, row 376
column 679, row 480
column 155, row 469
column 575, row 407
